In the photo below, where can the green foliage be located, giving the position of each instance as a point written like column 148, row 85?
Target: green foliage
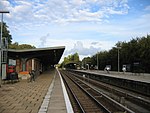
column 22, row 46
column 135, row 51
column 87, row 61
column 6, row 33
column 71, row 58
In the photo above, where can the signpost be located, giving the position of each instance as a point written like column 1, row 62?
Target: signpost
column 1, row 43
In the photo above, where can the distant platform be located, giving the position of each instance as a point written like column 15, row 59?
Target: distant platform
column 141, row 77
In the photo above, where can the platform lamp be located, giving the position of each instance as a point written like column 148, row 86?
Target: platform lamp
column 118, row 59
column 97, row 61
column 1, row 50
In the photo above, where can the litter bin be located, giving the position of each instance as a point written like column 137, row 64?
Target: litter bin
column 14, row 76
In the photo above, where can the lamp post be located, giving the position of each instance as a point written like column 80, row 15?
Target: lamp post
column 97, row 61
column 1, row 49
column 88, row 66
column 75, row 66
column 118, row 59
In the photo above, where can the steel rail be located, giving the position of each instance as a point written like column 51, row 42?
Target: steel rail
column 102, row 107
column 130, row 97
column 108, row 98
column 75, row 97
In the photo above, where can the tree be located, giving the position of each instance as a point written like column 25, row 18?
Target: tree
column 71, row 58
column 75, row 57
column 22, row 46
column 135, row 54
column 87, row 63
column 6, row 33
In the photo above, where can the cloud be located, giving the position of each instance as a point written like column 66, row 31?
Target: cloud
column 39, row 11
column 43, row 40
column 94, row 43
column 84, row 51
column 85, row 48
column 147, row 8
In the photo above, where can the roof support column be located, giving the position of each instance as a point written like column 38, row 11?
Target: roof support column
column 33, row 64
column 24, row 60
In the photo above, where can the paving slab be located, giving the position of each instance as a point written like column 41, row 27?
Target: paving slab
column 23, row 96
column 57, row 101
column 46, row 95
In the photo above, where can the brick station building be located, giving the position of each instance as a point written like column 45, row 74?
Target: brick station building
column 39, row 59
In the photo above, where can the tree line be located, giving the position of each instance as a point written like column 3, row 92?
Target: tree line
column 135, row 54
column 70, row 60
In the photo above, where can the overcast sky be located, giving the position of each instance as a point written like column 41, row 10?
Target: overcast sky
column 83, row 26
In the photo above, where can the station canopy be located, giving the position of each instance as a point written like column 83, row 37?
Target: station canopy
column 47, row 56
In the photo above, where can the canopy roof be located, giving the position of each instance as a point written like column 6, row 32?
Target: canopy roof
column 47, row 56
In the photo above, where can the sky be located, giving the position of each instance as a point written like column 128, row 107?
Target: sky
column 83, row 26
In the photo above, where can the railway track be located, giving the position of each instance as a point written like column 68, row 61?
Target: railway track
column 85, row 99
column 133, row 101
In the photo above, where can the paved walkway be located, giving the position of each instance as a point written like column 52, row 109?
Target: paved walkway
column 130, row 76
column 24, row 97
column 57, row 101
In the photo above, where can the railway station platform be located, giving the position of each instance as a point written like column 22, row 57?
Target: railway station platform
column 132, row 81
column 141, row 77
column 46, row 95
